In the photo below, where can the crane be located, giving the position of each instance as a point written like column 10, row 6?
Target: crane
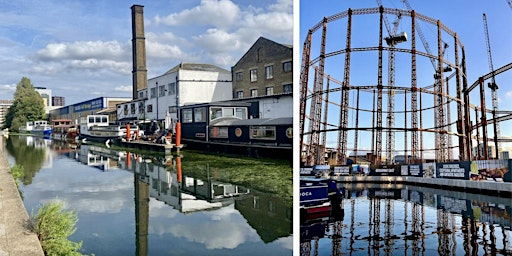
column 492, row 85
column 392, row 40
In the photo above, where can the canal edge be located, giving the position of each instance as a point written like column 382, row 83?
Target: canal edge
column 15, row 237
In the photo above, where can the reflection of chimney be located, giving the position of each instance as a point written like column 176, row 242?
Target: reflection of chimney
column 139, row 72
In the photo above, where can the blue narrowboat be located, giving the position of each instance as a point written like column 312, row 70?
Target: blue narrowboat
column 226, row 127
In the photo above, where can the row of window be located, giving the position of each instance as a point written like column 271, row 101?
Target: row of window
column 287, row 88
column 199, row 114
column 255, row 132
column 171, row 89
column 269, row 72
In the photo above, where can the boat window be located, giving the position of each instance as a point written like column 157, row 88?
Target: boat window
column 229, row 112
column 187, row 116
column 97, row 119
column 241, row 113
column 104, row 119
column 218, row 132
column 91, row 119
column 215, row 113
column 200, row 115
column 263, row 132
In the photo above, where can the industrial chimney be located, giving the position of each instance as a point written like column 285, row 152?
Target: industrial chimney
column 139, row 72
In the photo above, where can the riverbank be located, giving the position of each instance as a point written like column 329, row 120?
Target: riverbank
column 15, row 237
column 502, row 189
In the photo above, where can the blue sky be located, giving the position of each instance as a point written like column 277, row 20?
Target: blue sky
column 82, row 49
column 462, row 17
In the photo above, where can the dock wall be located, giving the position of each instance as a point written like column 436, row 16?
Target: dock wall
column 485, row 187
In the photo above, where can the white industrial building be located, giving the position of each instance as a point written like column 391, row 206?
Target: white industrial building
column 185, row 84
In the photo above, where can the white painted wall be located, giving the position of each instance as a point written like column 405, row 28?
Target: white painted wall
column 276, row 107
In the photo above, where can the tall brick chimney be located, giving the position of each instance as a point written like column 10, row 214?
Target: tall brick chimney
column 139, row 72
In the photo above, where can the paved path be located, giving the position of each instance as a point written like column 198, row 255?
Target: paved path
column 15, row 237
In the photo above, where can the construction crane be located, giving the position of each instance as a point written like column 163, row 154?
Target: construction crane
column 493, row 86
column 392, row 40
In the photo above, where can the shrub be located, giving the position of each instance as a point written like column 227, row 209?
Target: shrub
column 17, row 172
column 53, row 226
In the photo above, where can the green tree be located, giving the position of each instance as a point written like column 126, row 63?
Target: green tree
column 27, row 106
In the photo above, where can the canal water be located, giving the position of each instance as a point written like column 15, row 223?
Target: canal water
column 390, row 219
column 132, row 204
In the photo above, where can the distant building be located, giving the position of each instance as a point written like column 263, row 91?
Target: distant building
column 480, row 150
column 46, row 94
column 4, row 107
column 58, row 101
column 73, row 112
column 184, row 84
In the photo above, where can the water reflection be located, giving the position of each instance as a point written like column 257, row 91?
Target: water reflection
column 179, row 205
column 408, row 220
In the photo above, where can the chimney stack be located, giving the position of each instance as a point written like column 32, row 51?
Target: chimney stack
column 139, row 72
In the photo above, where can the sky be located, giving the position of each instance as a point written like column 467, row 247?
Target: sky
column 462, row 17
column 81, row 49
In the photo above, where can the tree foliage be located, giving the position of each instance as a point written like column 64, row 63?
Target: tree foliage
column 27, row 106
column 53, row 226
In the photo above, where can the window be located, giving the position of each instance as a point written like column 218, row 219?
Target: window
column 125, row 110
column 153, row 92
column 215, row 113
column 263, row 132
column 141, row 95
column 287, row 88
column 239, row 94
column 254, row 92
column 269, row 72
column 141, row 107
column 239, row 76
column 173, row 109
column 150, row 108
column 219, row 132
column 161, row 90
column 287, row 66
column 132, row 108
column 172, row 88
column 200, row 115
column 269, row 90
column 187, row 116
column 254, row 75
column 241, row 113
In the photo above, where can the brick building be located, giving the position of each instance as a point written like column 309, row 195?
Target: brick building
column 264, row 70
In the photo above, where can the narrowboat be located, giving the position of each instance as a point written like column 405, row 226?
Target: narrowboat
column 98, row 129
column 226, row 127
column 318, row 197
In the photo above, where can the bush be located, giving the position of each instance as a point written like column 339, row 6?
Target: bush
column 17, row 172
column 53, row 226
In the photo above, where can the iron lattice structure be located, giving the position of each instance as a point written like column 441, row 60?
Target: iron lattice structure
column 339, row 76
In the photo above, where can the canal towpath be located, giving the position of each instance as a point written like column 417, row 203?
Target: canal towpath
column 15, row 237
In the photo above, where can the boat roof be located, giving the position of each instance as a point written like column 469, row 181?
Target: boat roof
column 255, row 121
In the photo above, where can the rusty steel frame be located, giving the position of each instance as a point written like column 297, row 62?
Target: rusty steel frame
column 310, row 145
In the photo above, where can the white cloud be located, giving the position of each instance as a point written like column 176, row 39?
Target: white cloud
column 84, row 50
column 123, row 88
column 221, row 13
column 508, row 94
